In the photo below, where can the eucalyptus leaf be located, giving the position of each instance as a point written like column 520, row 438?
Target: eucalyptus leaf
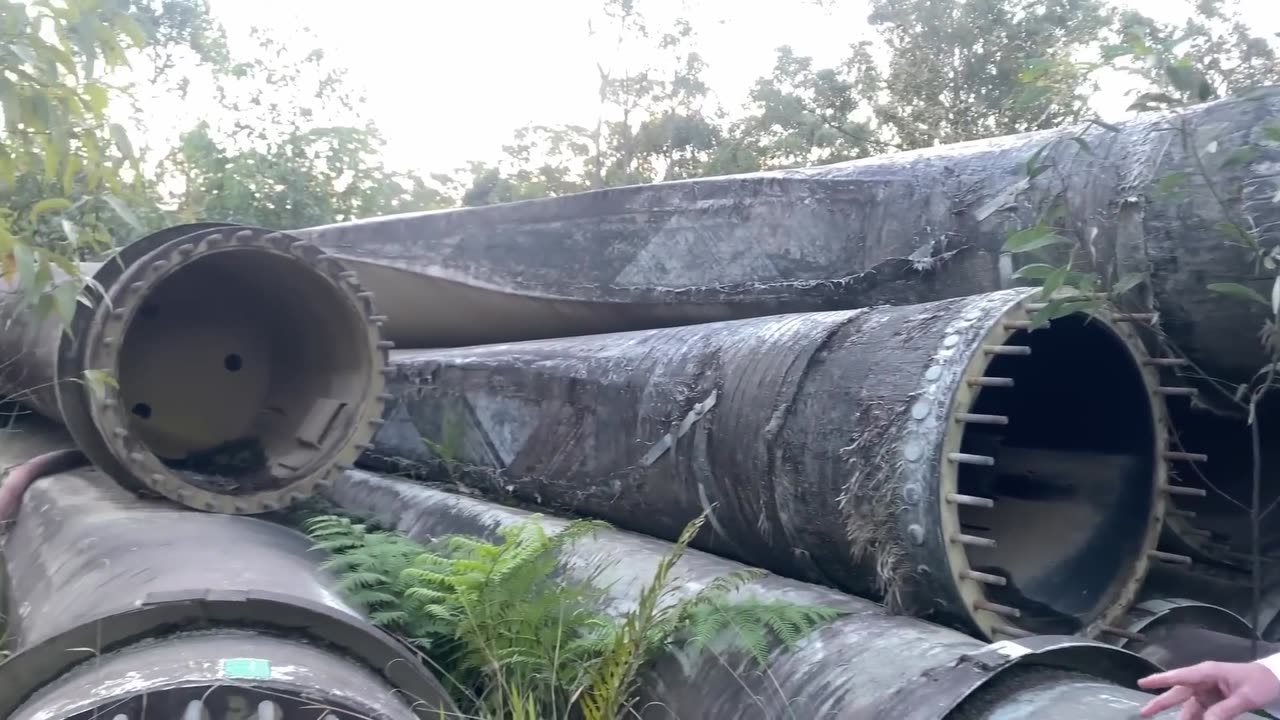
column 49, row 205
column 123, row 211
column 1054, row 281
column 1033, row 238
column 64, row 301
column 99, row 381
column 1128, row 282
column 120, row 137
column 1240, row 291
column 24, row 259
column 1035, row 271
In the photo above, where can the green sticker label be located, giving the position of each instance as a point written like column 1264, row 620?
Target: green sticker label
column 248, row 668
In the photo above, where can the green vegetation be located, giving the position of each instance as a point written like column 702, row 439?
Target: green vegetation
column 514, row 639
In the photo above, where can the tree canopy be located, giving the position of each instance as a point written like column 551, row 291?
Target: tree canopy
column 291, row 145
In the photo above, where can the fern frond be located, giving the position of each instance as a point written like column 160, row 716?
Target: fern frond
column 389, row 618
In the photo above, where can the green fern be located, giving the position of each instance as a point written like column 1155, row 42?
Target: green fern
column 516, row 640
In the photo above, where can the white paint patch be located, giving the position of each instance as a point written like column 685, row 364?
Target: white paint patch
column 506, row 421
column 287, row 672
column 131, row 684
column 680, row 253
column 1009, row 649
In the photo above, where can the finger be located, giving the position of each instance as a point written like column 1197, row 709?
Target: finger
column 1168, row 699
column 1192, row 710
column 1193, row 675
column 1229, row 709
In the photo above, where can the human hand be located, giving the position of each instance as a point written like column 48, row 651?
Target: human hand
column 1213, row 690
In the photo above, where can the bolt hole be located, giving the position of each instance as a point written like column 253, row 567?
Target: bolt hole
column 142, row 410
column 233, row 362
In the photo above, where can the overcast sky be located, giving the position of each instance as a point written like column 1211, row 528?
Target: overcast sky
column 448, row 81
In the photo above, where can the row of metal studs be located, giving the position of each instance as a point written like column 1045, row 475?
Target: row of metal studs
column 988, row 461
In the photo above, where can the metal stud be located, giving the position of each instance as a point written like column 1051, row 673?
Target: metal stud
column 977, row 419
column 973, row 540
column 1188, row 457
column 1184, row 490
column 984, row 578
column 970, row 500
column 1122, row 633
column 1020, row 350
column 195, row 711
column 999, row 382
column 1174, row 558
column 967, row 459
column 998, row 609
